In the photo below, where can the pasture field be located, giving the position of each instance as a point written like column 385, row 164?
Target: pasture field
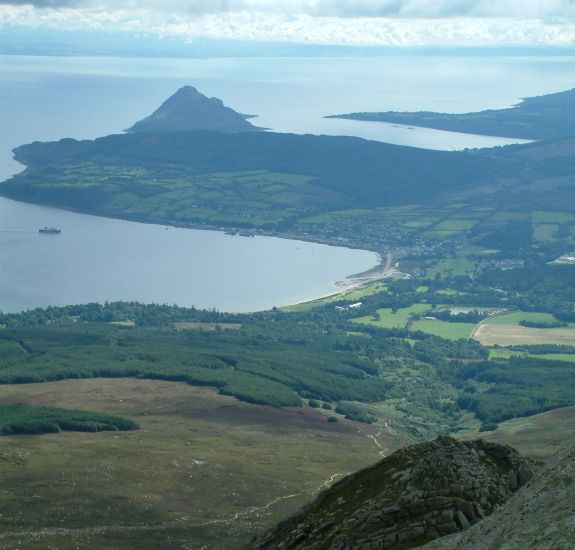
column 175, row 195
column 545, row 216
column 438, row 223
column 544, row 232
column 503, row 216
column 387, row 319
column 444, row 329
column 513, row 335
column 203, row 471
column 450, row 266
column 515, row 317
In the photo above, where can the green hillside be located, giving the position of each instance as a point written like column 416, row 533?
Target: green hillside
column 240, row 180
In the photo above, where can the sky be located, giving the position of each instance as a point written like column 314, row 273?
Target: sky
column 357, row 22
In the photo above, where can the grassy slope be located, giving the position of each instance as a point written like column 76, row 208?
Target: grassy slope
column 250, row 180
column 538, row 436
column 204, row 469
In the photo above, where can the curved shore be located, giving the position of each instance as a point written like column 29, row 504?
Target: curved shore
column 356, row 282
column 98, row 259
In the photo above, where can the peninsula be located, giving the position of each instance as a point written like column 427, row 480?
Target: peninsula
column 544, row 117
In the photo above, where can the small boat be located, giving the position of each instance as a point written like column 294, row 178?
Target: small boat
column 49, row 230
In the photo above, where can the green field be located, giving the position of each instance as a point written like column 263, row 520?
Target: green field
column 388, row 319
column 444, row 329
column 176, row 195
column 517, row 316
column 450, row 266
column 540, row 216
column 508, row 215
column 544, row 233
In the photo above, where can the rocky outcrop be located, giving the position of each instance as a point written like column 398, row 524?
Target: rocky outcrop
column 188, row 110
column 540, row 516
column 416, row 495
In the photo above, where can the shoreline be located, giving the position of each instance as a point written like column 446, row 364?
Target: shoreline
column 231, row 231
column 379, row 271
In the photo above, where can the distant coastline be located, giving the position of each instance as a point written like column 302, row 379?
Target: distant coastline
column 545, row 117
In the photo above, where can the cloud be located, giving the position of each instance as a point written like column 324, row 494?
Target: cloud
column 522, row 9
column 42, row 3
column 369, row 22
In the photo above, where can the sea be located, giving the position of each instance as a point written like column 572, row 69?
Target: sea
column 99, row 259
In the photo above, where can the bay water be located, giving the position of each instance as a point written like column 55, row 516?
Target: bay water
column 98, row 259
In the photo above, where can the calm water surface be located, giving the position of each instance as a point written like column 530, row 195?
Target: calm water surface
column 98, row 259
column 47, row 98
